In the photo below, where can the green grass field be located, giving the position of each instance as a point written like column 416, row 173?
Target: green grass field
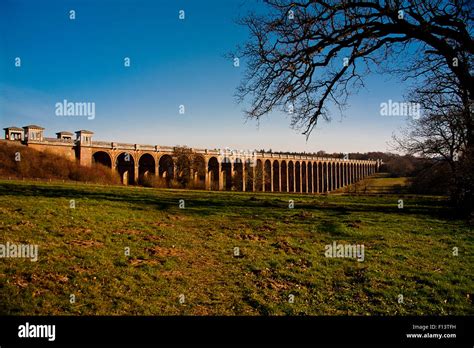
column 190, row 252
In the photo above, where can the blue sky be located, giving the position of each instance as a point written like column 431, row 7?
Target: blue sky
column 173, row 62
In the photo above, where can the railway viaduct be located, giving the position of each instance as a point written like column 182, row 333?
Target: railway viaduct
column 211, row 169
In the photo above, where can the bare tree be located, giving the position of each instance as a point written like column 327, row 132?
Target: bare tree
column 188, row 164
column 445, row 131
column 305, row 55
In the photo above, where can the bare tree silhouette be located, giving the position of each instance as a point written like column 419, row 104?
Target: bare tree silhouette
column 304, row 55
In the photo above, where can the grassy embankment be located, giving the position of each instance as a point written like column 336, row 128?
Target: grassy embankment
column 190, row 251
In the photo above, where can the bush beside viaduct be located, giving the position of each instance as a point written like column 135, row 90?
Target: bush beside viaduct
column 217, row 170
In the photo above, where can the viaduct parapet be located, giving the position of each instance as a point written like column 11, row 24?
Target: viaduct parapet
column 210, row 169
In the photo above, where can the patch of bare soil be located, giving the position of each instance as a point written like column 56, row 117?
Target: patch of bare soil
column 129, row 232
column 249, row 236
column 163, row 252
column 137, row 262
column 286, row 247
column 86, row 243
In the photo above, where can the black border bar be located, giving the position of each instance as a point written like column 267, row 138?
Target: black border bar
column 289, row 331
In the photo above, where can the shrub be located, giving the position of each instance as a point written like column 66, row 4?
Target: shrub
column 45, row 165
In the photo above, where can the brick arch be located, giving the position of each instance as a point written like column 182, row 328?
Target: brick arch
column 213, row 173
column 291, row 176
column 199, row 171
column 316, row 183
column 102, row 157
column 125, row 165
column 284, row 176
column 320, row 175
column 309, row 171
column 238, row 174
column 331, row 175
column 226, row 173
column 267, row 174
column 298, row 176
column 304, row 177
column 346, row 173
column 166, row 168
column 325, row 174
column 259, row 167
column 276, row 179
column 139, row 154
column 146, row 166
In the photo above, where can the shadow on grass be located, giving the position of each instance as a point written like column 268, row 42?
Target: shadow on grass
column 211, row 203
